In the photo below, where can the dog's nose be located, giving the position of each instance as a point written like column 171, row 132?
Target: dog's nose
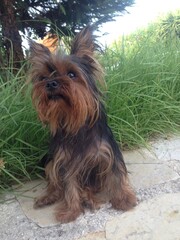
column 52, row 85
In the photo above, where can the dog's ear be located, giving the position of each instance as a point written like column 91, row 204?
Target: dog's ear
column 83, row 43
column 38, row 51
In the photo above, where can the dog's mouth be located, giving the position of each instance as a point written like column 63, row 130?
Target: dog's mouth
column 59, row 97
column 55, row 97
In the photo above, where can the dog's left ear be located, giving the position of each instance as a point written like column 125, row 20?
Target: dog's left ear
column 38, row 51
column 83, row 43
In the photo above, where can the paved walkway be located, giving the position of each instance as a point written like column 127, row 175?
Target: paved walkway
column 155, row 175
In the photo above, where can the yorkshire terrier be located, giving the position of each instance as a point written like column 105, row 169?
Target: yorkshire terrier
column 84, row 165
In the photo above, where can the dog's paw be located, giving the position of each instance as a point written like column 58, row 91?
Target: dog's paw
column 125, row 202
column 43, row 201
column 67, row 215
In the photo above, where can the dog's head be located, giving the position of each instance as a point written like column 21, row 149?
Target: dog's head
column 64, row 86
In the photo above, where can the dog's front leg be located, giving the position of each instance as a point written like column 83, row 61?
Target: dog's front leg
column 54, row 191
column 70, row 208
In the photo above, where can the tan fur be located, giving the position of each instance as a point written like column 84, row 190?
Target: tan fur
column 86, row 175
column 60, row 114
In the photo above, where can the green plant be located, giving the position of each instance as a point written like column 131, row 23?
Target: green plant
column 142, row 100
column 22, row 137
column 143, row 82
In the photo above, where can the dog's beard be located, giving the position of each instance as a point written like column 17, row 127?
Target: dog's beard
column 64, row 87
column 67, row 108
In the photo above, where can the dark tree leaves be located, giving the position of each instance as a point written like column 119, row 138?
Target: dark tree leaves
column 63, row 16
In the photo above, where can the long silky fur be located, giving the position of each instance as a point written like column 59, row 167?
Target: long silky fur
column 84, row 166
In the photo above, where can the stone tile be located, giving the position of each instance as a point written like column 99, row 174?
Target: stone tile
column 147, row 168
column 174, row 148
column 94, row 236
column 147, row 175
column 175, row 165
column 159, row 151
column 140, row 156
column 166, row 149
column 155, row 219
column 25, row 196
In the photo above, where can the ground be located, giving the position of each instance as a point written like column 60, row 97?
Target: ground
column 155, row 176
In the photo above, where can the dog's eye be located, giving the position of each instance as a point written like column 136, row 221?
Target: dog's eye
column 71, row 75
column 42, row 78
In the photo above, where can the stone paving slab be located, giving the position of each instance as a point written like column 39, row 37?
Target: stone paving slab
column 140, row 156
column 146, row 170
column 43, row 216
column 142, row 176
column 94, row 236
column 147, row 175
column 154, row 172
column 166, row 149
column 155, row 219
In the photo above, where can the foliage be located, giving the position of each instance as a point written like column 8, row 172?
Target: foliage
column 23, row 140
column 142, row 100
column 36, row 17
column 65, row 15
column 169, row 25
column 143, row 81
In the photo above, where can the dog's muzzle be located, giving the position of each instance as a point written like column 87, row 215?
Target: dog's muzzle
column 52, row 85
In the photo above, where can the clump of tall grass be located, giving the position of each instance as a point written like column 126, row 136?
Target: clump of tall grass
column 22, row 137
column 143, row 100
column 143, row 82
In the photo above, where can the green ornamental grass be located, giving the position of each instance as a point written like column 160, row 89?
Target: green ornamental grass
column 143, row 82
column 23, row 139
column 142, row 101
